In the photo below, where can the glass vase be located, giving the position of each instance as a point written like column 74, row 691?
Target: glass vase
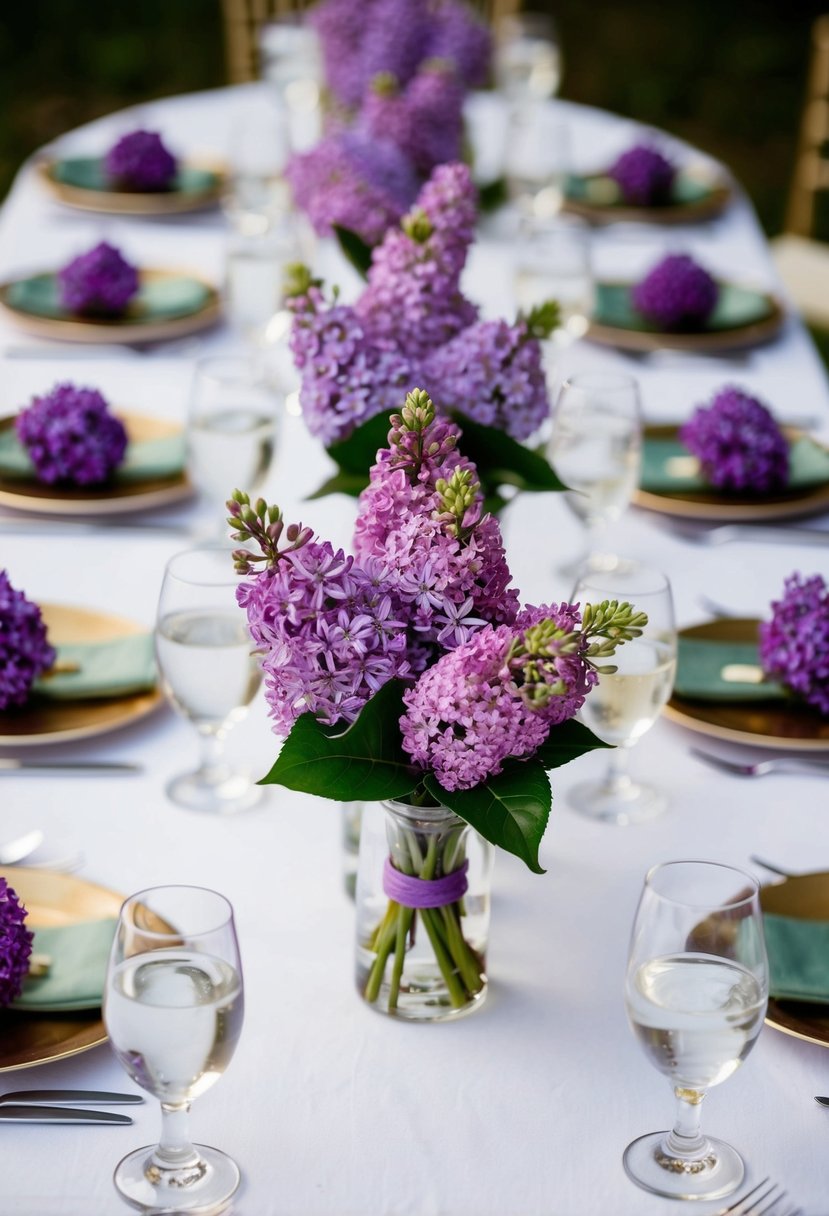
column 352, row 818
column 423, row 885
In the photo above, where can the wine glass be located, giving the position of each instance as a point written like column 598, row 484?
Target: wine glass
column 625, row 703
column 536, row 161
column 552, row 262
column 527, row 58
column 696, row 991
column 257, row 194
column 596, row 447
column 208, row 672
column 173, row 1008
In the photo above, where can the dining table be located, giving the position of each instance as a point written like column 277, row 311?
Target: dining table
column 330, row 1108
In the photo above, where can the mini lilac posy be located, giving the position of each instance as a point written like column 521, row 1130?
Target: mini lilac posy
column 794, row 644
column 644, row 176
column 677, row 293
column 738, row 443
column 140, row 161
column 100, row 281
column 15, row 944
column 24, row 648
column 71, row 436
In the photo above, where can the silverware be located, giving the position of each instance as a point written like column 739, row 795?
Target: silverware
column 65, row 1097
column 59, row 1114
column 762, row 768
column 784, row 535
column 67, row 766
column 822, row 1101
column 772, row 869
column 765, row 1199
column 14, row 851
column 25, row 526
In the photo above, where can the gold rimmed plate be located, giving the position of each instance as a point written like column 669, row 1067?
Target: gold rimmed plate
column 698, row 194
column 43, row 721
column 771, row 723
column 27, row 1037
column 715, row 506
column 81, row 181
column 804, row 897
column 743, row 317
column 169, row 304
column 118, row 497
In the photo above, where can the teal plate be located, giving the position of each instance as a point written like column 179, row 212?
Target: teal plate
column 695, row 196
column 168, row 305
column 743, row 317
column 80, row 181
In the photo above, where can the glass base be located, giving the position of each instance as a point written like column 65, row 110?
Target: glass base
column 618, row 802
column 206, row 1187
column 423, row 996
column 222, row 794
column 719, row 1172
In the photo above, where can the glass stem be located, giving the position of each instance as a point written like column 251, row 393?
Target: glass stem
column 212, row 752
column 175, row 1149
column 617, row 777
column 685, row 1140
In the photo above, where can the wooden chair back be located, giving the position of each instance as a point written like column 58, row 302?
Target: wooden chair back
column 811, row 172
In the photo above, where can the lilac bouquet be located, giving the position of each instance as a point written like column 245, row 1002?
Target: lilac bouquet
column 100, row 281
column 738, row 443
column 15, row 943
column 644, row 176
column 71, row 436
column 794, row 644
column 140, row 161
column 25, row 652
column 410, row 672
column 677, row 293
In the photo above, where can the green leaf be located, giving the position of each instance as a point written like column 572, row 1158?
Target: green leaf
column 364, row 762
column 492, row 195
column 340, row 482
column 355, row 249
column 500, row 459
column 566, row 742
column 358, row 452
column 510, row 810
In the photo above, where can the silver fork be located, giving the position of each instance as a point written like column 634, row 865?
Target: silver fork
column 762, row 768
column 725, row 533
column 765, row 1199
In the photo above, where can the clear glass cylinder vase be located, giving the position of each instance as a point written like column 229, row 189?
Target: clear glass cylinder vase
column 423, row 889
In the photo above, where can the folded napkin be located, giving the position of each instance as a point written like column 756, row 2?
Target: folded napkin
column 88, row 173
column 147, row 459
column 798, row 953
column 668, row 467
column 158, row 299
column 710, row 670
column 736, row 307
column 105, row 669
column 600, row 189
column 78, row 961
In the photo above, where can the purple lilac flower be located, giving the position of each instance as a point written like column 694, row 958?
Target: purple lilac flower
column 396, row 39
column 469, row 712
column 492, row 372
column 140, row 161
column 678, row 293
column 327, row 632
column 461, row 38
column 341, row 26
column 644, row 176
column 794, row 644
column 15, row 944
column 413, row 302
column 24, row 649
column 738, row 443
column 100, row 281
column 424, row 120
column 354, row 181
column 346, row 378
column 71, row 436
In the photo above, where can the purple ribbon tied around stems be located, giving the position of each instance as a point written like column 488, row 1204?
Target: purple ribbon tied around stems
column 412, row 892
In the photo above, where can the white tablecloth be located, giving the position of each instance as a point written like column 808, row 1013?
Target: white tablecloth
column 525, row 1108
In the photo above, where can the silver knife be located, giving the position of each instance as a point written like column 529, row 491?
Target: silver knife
column 59, row 1097
column 68, row 766
column 822, row 1101
column 59, row 1114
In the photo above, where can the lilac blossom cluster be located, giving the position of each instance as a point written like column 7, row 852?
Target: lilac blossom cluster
column 677, row 293
column 99, row 281
column 140, row 161
column 24, row 649
column 738, row 443
column 71, row 436
column 354, row 181
column 794, row 644
column 644, row 176
column 496, row 696
column 15, row 944
column 424, row 120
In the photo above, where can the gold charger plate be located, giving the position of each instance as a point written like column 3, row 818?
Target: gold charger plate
column 712, row 204
column 42, row 721
column 118, row 330
column 806, row 897
column 731, row 508
column 125, row 202
column 770, row 723
column 26, row 1037
column 38, row 498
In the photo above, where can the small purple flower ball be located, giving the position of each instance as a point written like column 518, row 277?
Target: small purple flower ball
column 15, row 944
column 24, row 649
column 677, row 294
column 71, row 436
column 139, row 161
column 794, row 644
column 644, row 176
column 100, row 281
column 738, row 443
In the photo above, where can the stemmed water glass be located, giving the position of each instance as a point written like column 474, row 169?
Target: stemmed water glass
column 595, row 447
column 207, row 671
column 173, row 1009
column 527, row 58
column 627, row 701
column 696, row 991
column 552, row 262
